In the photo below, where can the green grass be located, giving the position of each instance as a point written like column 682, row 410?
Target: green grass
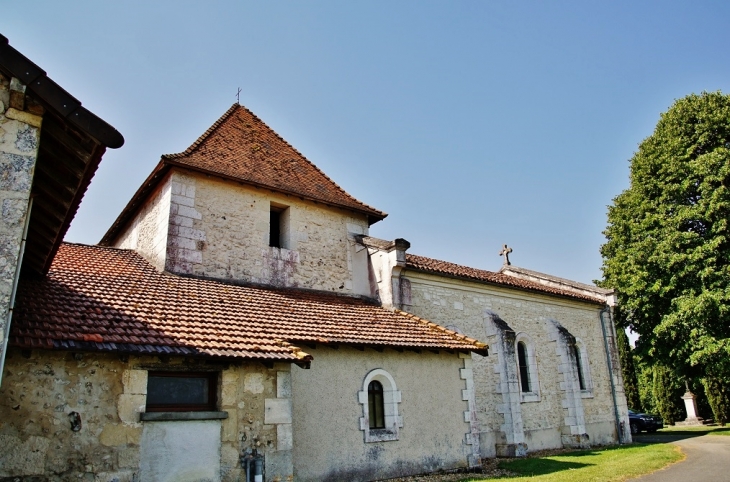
column 606, row 465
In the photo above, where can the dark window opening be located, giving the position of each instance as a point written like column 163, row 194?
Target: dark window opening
column 579, row 367
column 181, row 391
column 275, row 229
column 376, row 405
column 524, row 368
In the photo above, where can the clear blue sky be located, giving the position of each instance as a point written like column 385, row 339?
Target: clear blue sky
column 472, row 124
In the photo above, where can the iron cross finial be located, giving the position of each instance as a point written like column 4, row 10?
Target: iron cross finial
column 238, row 96
column 505, row 252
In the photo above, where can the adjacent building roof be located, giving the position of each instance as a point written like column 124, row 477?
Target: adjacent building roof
column 73, row 141
column 241, row 147
column 435, row 266
column 107, row 299
column 557, row 282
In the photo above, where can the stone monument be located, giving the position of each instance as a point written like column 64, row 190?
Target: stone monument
column 690, row 404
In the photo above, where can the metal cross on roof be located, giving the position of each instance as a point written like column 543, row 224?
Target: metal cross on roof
column 238, row 96
column 505, row 252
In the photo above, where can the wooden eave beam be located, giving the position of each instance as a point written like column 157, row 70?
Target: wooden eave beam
column 64, row 139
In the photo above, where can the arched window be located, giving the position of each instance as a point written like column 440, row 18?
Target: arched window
column 579, row 366
column 523, row 366
column 582, row 366
column 376, row 407
column 527, row 368
column 380, row 398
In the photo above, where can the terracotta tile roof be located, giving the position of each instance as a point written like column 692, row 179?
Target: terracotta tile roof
column 430, row 265
column 241, row 147
column 97, row 298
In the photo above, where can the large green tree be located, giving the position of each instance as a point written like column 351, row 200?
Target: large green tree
column 668, row 240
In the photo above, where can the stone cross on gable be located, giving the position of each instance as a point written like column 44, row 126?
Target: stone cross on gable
column 505, row 252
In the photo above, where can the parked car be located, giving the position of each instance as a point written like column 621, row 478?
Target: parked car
column 644, row 422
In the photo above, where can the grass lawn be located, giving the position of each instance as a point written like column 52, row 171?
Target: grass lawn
column 606, row 465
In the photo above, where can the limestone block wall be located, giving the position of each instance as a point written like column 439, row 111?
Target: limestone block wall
column 467, row 306
column 44, row 390
column 202, row 225
column 228, row 236
column 20, row 130
column 433, row 420
column 147, row 233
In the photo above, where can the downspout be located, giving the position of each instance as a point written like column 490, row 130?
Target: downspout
column 617, row 419
column 6, row 335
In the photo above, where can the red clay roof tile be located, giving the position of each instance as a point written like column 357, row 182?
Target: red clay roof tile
column 430, row 265
column 97, row 298
column 241, row 147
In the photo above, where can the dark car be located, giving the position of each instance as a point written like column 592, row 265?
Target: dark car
column 643, row 422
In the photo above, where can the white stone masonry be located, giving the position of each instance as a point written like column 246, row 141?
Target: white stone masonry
column 470, row 416
column 572, row 402
column 508, row 386
column 185, row 244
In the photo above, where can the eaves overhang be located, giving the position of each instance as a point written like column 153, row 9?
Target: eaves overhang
column 72, row 143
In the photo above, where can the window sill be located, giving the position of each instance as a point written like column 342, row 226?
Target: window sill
column 380, row 435
column 586, row 394
column 527, row 397
column 180, row 416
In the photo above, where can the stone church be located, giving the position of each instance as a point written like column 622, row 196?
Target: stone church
column 237, row 322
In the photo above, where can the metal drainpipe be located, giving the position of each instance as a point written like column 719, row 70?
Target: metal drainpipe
column 617, row 420
column 21, row 251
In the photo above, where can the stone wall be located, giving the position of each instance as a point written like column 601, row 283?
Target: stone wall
column 46, row 394
column 470, row 306
column 148, row 232
column 20, row 126
column 432, row 421
column 197, row 224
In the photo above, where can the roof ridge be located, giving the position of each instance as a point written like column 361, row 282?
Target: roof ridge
column 310, row 162
column 205, row 134
column 225, row 117
column 422, row 263
column 557, row 279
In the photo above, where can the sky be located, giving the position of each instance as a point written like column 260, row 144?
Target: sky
column 472, row 123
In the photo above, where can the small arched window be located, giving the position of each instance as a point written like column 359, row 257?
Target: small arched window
column 523, row 363
column 583, row 367
column 527, row 368
column 376, row 405
column 379, row 398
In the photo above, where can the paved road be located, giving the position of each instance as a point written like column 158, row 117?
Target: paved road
column 708, row 459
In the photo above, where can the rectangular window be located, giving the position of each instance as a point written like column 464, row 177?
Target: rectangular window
column 181, row 391
column 279, row 226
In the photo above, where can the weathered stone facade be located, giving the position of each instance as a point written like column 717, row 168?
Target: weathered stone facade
column 197, row 224
column 556, row 413
column 434, row 417
column 76, row 416
column 20, row 125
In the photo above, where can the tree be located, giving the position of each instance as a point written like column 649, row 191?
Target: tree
column 667, row 394
column 667, row 250
column 628, row 370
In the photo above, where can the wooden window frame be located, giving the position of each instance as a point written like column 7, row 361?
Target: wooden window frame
column 211, row 404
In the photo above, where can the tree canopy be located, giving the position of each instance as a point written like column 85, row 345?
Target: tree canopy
column 667, row 250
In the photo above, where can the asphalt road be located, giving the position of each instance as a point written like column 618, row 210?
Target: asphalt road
column 708, row 459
